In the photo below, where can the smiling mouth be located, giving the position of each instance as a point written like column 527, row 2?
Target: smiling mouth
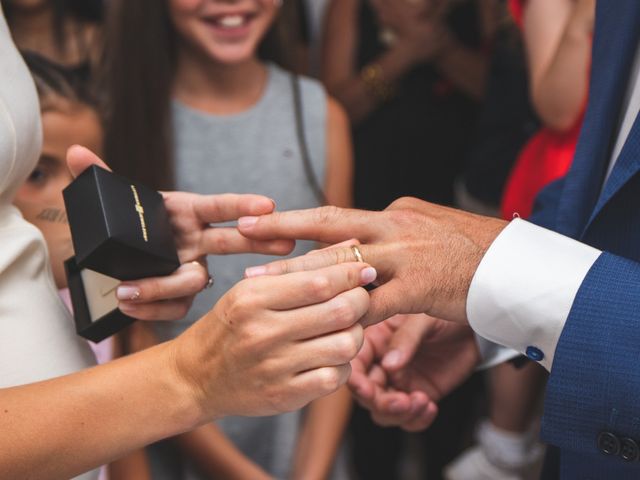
column 231, row 21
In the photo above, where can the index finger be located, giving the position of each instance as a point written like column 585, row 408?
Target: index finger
column 323, row 224
column 220, row 208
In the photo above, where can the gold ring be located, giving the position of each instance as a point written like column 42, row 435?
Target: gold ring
column 357, row 253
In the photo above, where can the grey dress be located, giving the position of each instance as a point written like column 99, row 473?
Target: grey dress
column 255, row 151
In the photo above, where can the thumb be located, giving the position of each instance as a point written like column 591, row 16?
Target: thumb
column 405, row 341
column 80, row 158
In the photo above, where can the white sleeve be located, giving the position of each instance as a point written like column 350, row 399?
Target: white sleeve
column 492, row 354
column 525, row 285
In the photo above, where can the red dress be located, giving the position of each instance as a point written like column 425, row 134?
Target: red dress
column 545, row 158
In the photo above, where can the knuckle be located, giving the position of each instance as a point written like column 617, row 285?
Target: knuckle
column 320, row 287
column 330, row 379
column 343, row 313
column 220, row 244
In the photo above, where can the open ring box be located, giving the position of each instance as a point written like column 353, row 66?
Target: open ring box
column 120, row 231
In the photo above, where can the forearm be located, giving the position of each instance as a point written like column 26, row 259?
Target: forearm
column 559, row 94
column 65, row 426
column 134, row 466
column 325, row 422
column 465, row 68
column 217, row 456
column 357, row 97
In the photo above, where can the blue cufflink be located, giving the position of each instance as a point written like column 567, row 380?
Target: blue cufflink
column 535, row 354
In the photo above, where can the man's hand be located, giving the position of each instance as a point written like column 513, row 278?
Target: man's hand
column 425, row 254
column 191, row 216
column 409, row 363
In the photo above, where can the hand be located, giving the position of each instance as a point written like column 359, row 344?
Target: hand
column 191, row 216
column 420, row 33
column 273, row 344
column 407, row 365
column 425, row 254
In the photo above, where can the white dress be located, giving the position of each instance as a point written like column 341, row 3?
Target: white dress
column 37, row 337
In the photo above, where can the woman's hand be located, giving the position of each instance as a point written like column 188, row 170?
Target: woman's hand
column 192, row 217
column 273, row 344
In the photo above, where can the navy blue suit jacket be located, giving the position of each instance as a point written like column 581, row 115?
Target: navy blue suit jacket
column 592, row 403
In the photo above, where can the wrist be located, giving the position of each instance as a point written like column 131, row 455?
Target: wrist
column 187, row 396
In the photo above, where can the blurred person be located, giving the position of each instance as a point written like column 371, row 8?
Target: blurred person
column 68, row 118
column 414, row 99
column 66, row 32
column 567, row 300
column 507, row 443
column 558, row 36
column 411, row 75
column 192, row 104
column 60, row 416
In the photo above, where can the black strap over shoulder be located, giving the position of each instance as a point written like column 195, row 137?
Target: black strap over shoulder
column 315, row 185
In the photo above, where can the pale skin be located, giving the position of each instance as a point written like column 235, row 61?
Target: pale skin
column 63, row 123
column 218, row 72
column 421, row 37
column 426, row 256
column 558, row 37
column 245, row 348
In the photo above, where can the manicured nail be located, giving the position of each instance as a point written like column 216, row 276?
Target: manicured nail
column 247, row 222
column 368, row 275
column 127, row 292
column 392, row 359
column 255, row 271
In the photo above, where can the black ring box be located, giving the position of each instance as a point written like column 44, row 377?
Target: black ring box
column 120, row 231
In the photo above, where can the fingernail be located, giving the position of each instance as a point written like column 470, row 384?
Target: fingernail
column 273, row 202
column 392, row 359
column 255, row 271
column 247, row 222
column 368, row 275
column 127, row 292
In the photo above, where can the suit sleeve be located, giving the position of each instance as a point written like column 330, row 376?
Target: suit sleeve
column 595, row 382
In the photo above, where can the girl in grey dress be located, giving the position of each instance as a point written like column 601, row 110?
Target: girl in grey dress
column 209, row 116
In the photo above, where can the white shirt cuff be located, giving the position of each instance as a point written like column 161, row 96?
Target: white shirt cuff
column 492, row 354
column 525, row 285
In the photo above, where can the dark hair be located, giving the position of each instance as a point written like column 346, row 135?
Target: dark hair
column 53, row 83
column 140, row 65
column 84, row 10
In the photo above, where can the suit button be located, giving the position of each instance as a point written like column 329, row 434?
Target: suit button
column 608, row 443
column 629, row 450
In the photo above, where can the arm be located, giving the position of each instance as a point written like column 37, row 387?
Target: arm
column 323, row 429
column 339, row 176
column 558, row 40
column 217, row 456
column 207, row 446
column 340, row 73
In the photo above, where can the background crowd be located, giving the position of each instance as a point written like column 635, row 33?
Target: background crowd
column 470, row 103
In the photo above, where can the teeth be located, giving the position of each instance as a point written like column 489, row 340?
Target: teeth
column 231, row 21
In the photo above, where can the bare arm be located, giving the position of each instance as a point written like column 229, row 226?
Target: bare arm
column 63, row 427
column 323, row 429
column 339, row 176
column 217, row 456
column 340, row 73
column 558, row 40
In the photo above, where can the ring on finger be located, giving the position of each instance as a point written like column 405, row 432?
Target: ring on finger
column 357, row 253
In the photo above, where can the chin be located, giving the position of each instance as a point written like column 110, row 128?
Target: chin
column 233, row 55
